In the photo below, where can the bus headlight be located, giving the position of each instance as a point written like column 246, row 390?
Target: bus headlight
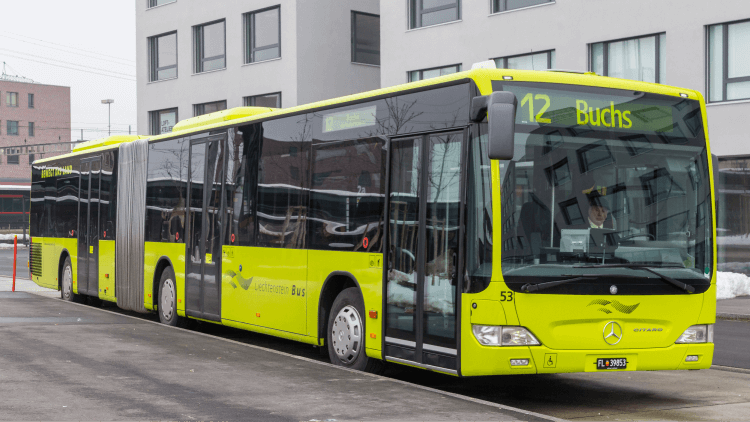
column 498, row 335
column 697, row 334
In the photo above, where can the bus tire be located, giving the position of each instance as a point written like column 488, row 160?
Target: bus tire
column 346, row 333
column 66, row 290
column 167, row 305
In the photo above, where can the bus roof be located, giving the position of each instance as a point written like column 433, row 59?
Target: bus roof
column 482, row 77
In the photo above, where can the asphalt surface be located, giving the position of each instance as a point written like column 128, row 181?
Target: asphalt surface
column 114, row 367
column 732, row 340
column 6, row 262
column 681, row 395
column 676, row 395
column 65, row 361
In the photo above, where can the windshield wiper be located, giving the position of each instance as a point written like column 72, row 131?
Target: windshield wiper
column 528, row 287
column 686, row 287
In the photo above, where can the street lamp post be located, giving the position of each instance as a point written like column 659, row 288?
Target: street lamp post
column 109, row 111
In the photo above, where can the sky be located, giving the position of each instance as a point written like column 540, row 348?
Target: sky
column 88, row 45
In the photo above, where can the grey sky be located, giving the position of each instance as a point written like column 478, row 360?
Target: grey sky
column 88, row 45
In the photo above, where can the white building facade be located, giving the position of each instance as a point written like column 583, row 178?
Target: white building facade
column 195, row 57
column 702, row 45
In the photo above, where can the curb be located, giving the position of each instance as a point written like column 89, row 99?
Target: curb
column 733, row 317
column 730, row 369
column 332, row 366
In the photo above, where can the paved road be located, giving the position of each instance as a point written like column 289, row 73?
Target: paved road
column 65, row 361
column 6, row 262
column 732, row 343
column 677, row 395
column 681, row 395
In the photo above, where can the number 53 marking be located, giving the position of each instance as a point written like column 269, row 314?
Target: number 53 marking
column 506, row 296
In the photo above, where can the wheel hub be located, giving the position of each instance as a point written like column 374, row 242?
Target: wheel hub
column 346, row 334
column 67, row 283
column 167, row 299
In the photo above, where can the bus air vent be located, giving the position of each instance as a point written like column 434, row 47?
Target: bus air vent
column 221, row 116
column 35, row 252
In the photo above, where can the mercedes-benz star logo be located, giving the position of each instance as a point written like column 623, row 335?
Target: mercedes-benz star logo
column 612, row 333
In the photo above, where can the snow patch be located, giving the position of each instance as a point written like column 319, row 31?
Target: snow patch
column 6, row 236
column 741, row 240
column 731, row 285
column 10, row 246
column 734, row 267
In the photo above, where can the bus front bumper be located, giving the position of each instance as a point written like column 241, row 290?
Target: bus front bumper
column 543, row 360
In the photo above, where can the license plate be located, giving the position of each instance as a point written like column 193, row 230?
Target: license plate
column 611, row 363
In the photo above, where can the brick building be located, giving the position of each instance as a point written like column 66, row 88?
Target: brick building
column 34, row 123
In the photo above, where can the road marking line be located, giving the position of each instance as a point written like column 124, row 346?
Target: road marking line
column 730, row 369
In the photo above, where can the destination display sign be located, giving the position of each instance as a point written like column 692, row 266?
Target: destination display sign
column 561, row 108
column 350, row 119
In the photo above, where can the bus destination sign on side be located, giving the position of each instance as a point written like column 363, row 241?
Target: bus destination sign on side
column 350, row 119
column 550, row 107
column 56, row 171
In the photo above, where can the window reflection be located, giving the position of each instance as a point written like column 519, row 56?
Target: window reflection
column 591, row 195
column 166, row 191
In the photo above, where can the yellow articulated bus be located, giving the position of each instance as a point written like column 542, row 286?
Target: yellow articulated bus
column 486, row 222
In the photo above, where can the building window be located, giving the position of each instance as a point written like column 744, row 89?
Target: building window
column 31, row 128
column 11, row 99
column 263, row 35
column 365, row 38
column 31, row 158
column 640, row 59
column 544, row 60
column 506, row 5
column 418, row 75
column 31, row 100
column 266, row 100
column 162, row 56
column 12, row 127
column 154, row 3
column 205, row 108
column 209, row 46
column 162, row 121
column 728, row 64
column 13, row 159
column 433, row 12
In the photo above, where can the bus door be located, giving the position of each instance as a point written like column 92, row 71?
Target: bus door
column 422, row 258
column 205, row 225
column 88, row 226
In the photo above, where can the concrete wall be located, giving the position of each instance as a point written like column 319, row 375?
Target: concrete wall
column 236, row 81
column 315, row 61
column 51, row 117
column 324, row 62
column 568, row 26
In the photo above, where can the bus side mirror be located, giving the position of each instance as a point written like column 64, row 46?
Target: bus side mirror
column 501, row 115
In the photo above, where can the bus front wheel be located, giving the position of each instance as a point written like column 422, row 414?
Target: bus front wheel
column 66, row 292
column 346, row 333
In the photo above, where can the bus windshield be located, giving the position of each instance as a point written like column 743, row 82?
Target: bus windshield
column 605, row 176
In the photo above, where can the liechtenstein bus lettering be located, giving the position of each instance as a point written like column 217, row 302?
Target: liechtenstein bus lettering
column 486, row 222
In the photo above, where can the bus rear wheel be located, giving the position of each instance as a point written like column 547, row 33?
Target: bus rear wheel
column 167, row 306
column 346, row 333
column 66, row 291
